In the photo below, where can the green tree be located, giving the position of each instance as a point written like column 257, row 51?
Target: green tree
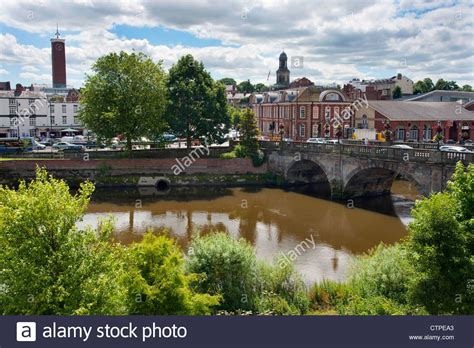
column 157, row 282
column 441, row 84
column 420, row 87
column 397, row 92
column 197, row 106
column 261, row 87
column 47, row 265
column 125, row 95
column 429, row 84
column 235, row 116
column 249, row 132
column 467, row 88
column 442, row 244
column 228, row 81
column 245, row 87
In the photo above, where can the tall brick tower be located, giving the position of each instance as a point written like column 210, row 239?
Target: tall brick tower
column 58, row 55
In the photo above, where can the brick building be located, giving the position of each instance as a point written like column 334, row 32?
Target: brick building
column 299, row 113
column 417, row 121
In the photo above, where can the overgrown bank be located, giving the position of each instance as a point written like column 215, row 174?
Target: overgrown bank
column 48, row 267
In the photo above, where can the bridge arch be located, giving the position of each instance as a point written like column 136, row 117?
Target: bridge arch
column 376, row 179
column 308, row 171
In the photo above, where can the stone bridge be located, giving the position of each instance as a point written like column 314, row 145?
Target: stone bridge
column 358, row 170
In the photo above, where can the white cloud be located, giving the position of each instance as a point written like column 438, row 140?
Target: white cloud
column 338, row 40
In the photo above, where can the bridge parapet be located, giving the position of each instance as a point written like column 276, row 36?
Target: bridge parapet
column 378, row 152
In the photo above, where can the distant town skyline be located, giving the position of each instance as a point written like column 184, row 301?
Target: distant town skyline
column 326, row 41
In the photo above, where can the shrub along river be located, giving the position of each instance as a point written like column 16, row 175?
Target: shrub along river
column 320, row 235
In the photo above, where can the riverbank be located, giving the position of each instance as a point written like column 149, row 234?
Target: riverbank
column 142, row 172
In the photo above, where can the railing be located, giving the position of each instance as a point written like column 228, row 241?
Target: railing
column 380, row 152
column 416, row 145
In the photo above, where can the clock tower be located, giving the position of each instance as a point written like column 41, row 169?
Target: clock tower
column 58, row 56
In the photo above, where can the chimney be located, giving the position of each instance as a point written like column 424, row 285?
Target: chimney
column 399, row 76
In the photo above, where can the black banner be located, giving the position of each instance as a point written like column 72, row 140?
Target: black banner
column 229, row 331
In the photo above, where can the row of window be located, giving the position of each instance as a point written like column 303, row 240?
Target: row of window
column 32, row 120
column 413, row 133
column 13, row 108
column 284, row 112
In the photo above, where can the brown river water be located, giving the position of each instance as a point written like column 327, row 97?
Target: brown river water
column 319, row 235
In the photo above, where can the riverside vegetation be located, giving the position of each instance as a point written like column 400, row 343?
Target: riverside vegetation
column 47, row 266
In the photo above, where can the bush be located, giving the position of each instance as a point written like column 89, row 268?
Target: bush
column 283, row 287
column 377, row 305
column 240, row 151
column 258, row 158
column 47, row 265
column 228, row 155
column 157, row 282
column 228, row 267
column 329, row 295
column 386, row 271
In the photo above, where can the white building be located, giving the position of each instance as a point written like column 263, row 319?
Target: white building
column 35, row 113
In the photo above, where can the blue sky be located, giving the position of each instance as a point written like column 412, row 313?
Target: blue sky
column 243, row 38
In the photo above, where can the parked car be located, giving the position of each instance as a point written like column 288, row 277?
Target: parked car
column 468, row 142
column 450, row 142
column 316, row 140
column 451, row 148
column 39, row 146
column 67, row 146
column 402, row 146
column 331, row 141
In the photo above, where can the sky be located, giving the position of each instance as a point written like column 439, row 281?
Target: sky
column 336, row 40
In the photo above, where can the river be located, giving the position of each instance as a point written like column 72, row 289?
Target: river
column 322, row 235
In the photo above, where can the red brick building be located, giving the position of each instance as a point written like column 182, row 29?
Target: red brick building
column 299, row 114
column 417, row 121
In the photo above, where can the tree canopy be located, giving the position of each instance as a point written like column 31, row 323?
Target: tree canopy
column 197, row 106
column 125, row 95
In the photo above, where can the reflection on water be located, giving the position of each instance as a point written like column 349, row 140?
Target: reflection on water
column 275, row 221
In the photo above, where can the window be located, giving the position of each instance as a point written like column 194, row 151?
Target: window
column 64, row 108
column 76, row 120
column 302, row 130
column 426, row 133
column 74, row 107
column 52, row 120
column 414, row 133
column 51, row 108
column 315, row 112
column 32, row 121
column 327, row 113
column 64, row 119
column 12, row 110
column 302, row 111
column 365, row 122
column 336, row 111
column 315, row 130
column 11, row 102
column 31, row 101
column 400, row 134
column 32, row 133
column 13, row 133
column 294, row 112
column 14, row 122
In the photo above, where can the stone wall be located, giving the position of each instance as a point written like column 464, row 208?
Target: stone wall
column 118, row 172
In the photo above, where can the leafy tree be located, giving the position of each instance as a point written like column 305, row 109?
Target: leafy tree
column 261, row 87
column 397, row 92
column 420, row 87
column 228, row 81
column 47, row 265
column 197, row 106
column 229, row 268
column 442, row 244
column 125, row 95
column 245, row 87
column 249, row 132
column 467, row 88
column 441, row 85
column 157, row 282
column 235, row 116
column 429, row 84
